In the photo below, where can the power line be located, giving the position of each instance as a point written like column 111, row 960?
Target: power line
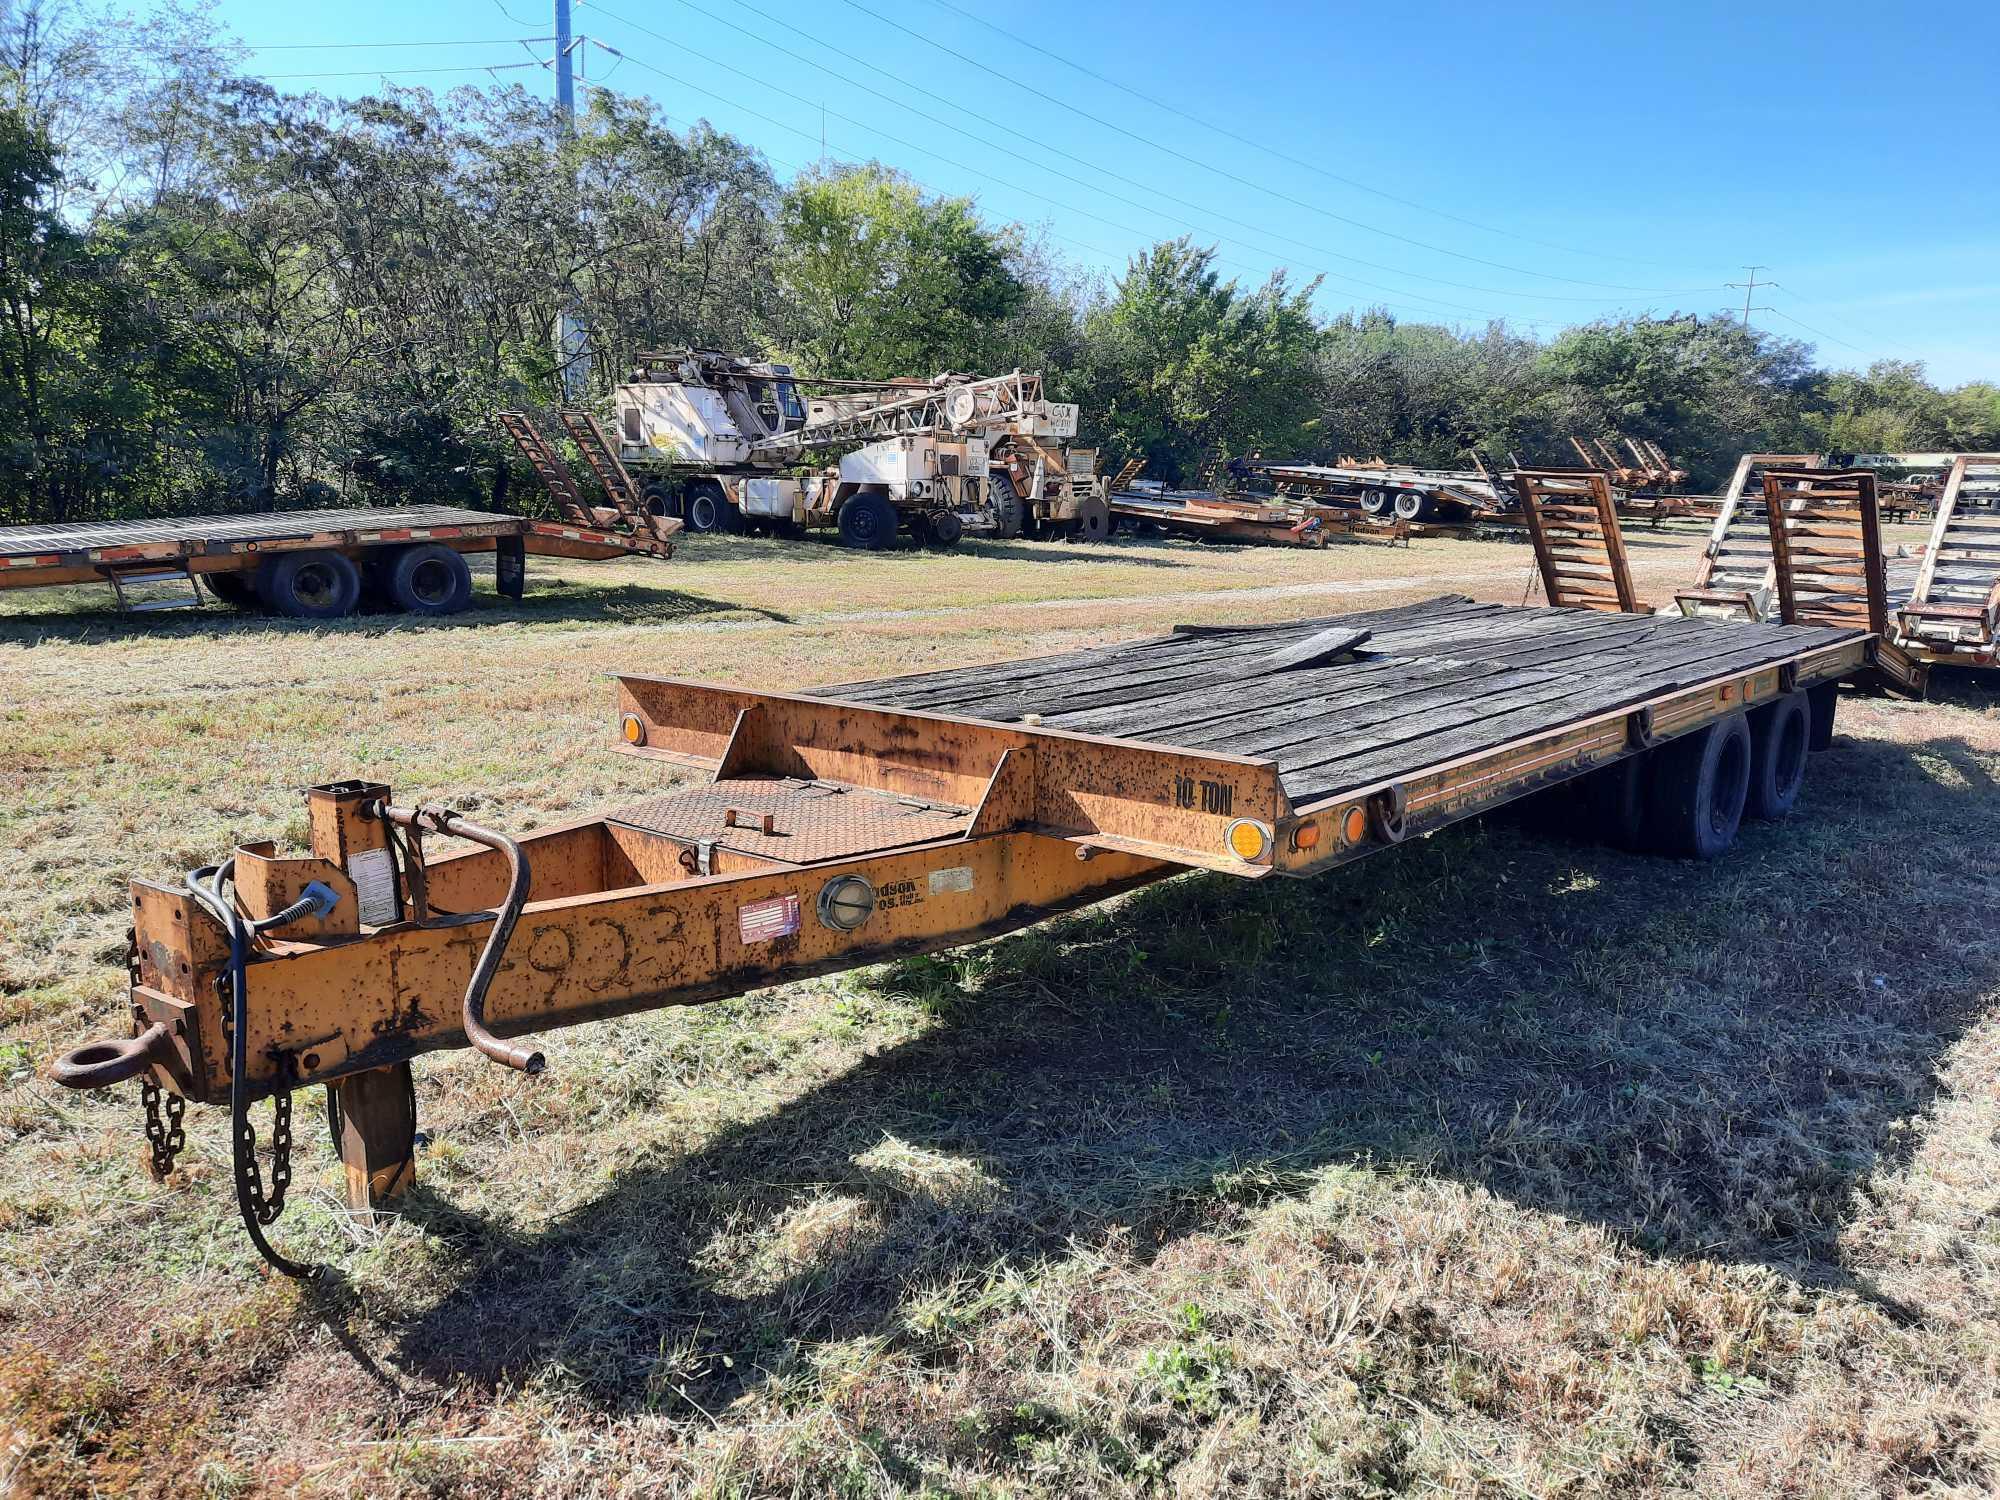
column 385, row 72
column 1816, row 333
column 1040, row 144
column 1285, row 156
column 1068, row 177
column 1749, row 287
column 487, row 41
column 1237, row 177
column 1001, row 181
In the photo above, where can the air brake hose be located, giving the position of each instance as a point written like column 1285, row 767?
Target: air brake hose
column 473, row 1011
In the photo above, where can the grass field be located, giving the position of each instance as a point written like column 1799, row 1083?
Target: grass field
column 1493, row 1166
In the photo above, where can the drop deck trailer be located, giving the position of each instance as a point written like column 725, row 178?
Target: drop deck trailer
column 856, row 824
column 311, row 564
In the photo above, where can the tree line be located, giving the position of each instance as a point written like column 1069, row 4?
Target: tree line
column 215, row 295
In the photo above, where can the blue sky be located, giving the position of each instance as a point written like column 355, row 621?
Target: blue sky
column 1451, row 162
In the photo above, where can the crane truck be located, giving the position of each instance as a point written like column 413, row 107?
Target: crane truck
column 724, row 442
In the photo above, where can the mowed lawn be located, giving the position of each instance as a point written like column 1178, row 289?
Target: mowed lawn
column 1495, row 1165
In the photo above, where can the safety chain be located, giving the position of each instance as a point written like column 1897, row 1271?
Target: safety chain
column 164, row 1137
column 267, row 1206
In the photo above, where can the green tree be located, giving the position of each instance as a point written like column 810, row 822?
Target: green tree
column 876, row 280
column 1181, row 361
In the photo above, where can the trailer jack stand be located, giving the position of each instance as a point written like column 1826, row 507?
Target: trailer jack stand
column 373, row 1119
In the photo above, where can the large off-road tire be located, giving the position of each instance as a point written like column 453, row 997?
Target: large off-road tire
column 428, row 580
column 1093, row 519
column 1699, row 789
column 705, row 508
column 314, row 585
column 867, row 521
column 1779, row 735
column 1006, row 501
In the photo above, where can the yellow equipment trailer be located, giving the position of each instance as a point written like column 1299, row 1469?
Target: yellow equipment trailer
column 856, row 824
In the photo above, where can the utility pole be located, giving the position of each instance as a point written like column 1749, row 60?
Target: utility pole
column 572, row 338
column 1749, row 287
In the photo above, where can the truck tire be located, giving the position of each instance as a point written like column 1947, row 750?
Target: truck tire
column 1006, row 504
column 704, row 507
column 660, row 500
column 867, row 521
column 1702, row 782
column 1779, row 735
column 428, row 580
column 1374, row 502
column 1411, row 506
column 314, row 585
column 1093, row 519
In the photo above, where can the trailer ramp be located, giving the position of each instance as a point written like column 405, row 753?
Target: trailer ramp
column 1572, row 520
column 1736, row 581
column 1954, row 610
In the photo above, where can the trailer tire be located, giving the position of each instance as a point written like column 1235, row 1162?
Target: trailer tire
column 867, row 521
column 429, row 580
column 1699, row 790
column 1617, row 799
column 1374, row 502
column 1779, row 735
column 311, row 585
column 1007, row 507
column 1093, row 519
column 1411, row 506
column 705, row 508
column 234, row 589
column 1825, row 701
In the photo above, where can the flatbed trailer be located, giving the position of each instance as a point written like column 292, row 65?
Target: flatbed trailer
column 861, row 823
column 308, row 563
column 1207, row 516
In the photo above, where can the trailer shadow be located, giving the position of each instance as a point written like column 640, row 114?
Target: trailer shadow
column 1707, row 1060
column 632, row 604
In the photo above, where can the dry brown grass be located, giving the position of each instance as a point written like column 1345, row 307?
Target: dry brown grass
column 1494, row 1166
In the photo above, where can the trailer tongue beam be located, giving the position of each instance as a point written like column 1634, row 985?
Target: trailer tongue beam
column 892, row 818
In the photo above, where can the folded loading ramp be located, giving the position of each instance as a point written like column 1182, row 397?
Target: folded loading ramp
column 1953, row 610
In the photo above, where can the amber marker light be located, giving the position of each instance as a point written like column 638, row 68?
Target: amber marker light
column 1248, row 839
column 1353, row 825
column 634, row 729
column 1305, row 836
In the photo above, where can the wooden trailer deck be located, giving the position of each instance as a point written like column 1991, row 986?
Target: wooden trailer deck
column 1433, row 683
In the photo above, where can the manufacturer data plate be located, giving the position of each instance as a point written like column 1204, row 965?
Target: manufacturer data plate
column 762, row 921
column 373, row 872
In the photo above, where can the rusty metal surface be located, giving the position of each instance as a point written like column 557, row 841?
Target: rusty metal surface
column 809, row 820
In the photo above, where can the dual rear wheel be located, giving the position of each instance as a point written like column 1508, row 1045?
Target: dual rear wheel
column 320, row 584
column 1688, row 798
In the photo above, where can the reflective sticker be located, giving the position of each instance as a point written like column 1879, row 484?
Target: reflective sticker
column 761, row 921
column 373, row 872
column 957, row 878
